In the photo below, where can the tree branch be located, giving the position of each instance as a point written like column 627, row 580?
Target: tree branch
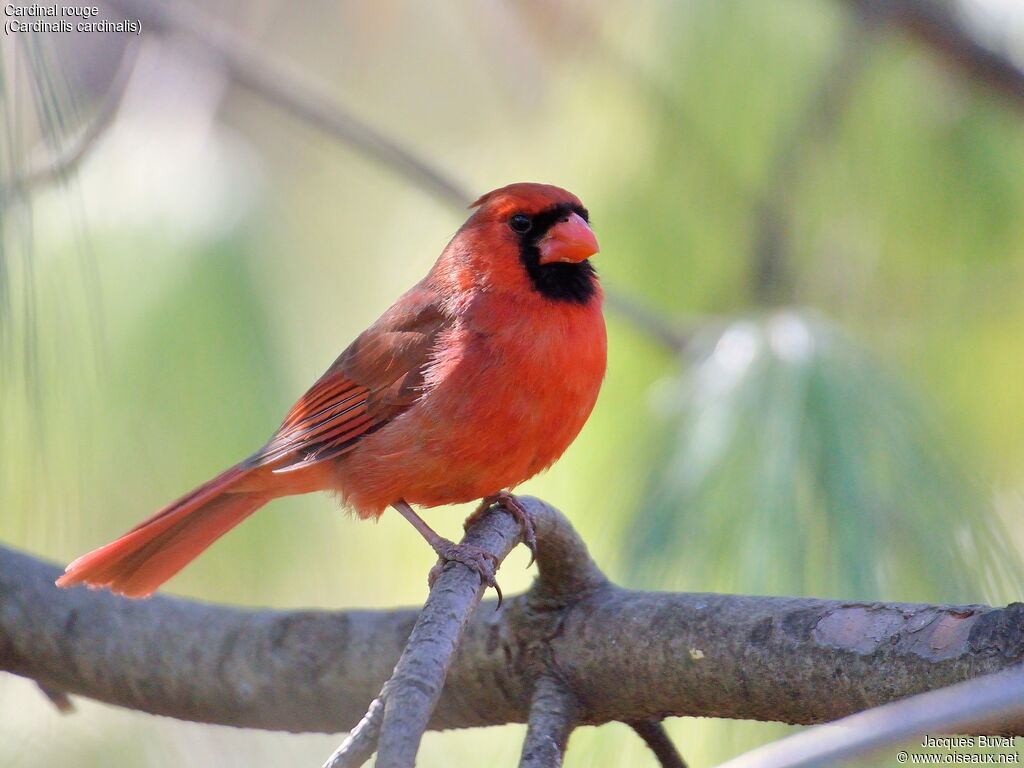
column 654, row 735
column 362, row 741
column 770, row 272
column 626, row 655
column 552, row 718
column 410, row 695
column 989, row 704
column 275, row 82
column 938, row 26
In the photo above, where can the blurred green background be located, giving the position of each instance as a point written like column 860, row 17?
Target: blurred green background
column 823, row 215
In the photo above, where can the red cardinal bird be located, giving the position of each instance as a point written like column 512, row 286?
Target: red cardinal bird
column 476, row 379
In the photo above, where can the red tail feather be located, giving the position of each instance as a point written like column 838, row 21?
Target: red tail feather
column 152, row 552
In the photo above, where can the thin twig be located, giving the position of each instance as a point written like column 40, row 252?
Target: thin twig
column 656, row 737
column 984, row 705
column 361, row 741
column 59, row 699
column 278, row 83
column 552, row 719
column 677, row 335
column 399, row 716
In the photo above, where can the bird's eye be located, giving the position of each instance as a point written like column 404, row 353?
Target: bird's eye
column 520, row 223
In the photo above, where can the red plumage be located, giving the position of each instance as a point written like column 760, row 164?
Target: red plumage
column 476, row 379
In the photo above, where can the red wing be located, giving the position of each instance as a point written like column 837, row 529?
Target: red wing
column 378, row 377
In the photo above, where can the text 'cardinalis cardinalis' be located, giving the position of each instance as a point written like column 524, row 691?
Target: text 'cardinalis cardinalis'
column 476, row 379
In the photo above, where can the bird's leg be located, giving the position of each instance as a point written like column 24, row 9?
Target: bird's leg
column 479, row 560
column 517, row 510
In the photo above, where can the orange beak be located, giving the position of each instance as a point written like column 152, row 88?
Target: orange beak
column 571, row 240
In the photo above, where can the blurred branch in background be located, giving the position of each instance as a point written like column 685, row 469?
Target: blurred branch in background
column 939, row 25
column 770, row 271
column 676, row 334
column 272, row 80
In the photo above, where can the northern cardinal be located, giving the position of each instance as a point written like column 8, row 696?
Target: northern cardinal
column 476, row 379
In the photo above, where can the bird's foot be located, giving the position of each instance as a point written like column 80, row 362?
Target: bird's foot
column 515, row 508
column 475, row 558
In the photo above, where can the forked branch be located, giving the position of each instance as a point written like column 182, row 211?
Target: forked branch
column 625, row 655
column 398, row 717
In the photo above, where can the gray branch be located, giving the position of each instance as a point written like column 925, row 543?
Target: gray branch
column 626, row 655
column 410, row 695
column 654, row 735
column 989, row 705
column 552, row 718
column 362, row 740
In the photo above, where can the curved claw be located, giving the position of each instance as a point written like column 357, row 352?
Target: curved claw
column 518, row 511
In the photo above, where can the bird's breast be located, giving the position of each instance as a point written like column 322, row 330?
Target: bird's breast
column 528, row 379
column 503, row 397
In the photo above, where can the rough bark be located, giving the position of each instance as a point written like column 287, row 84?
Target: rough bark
column 626, row 655
column 411, row 693
column 552, row 719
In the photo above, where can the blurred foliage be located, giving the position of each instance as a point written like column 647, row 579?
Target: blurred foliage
column 162, row 309
column 799, row 467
